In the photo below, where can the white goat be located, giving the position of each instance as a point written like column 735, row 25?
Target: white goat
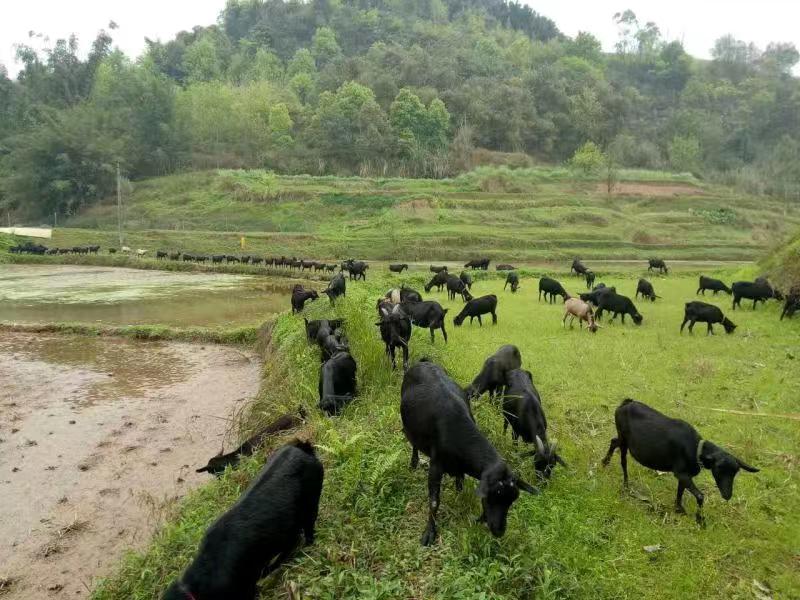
column 575, row 307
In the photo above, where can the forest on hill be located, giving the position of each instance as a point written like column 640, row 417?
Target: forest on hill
column 410, row 88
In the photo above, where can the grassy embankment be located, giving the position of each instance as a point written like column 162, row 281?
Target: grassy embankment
column 524, row 215
column 231, row 335
column 583, row 537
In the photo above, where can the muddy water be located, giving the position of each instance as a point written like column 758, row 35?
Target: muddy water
column 97, row 436
column 115, row 296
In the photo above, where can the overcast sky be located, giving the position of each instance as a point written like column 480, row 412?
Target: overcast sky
column 695, row 22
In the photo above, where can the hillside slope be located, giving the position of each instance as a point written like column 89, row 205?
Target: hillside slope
column 525, row 214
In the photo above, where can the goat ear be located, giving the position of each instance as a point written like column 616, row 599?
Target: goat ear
column 746, row 467
column 526, row 487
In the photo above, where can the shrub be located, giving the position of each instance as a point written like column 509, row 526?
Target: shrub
column 588, row 159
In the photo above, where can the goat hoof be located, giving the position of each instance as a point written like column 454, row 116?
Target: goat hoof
column 428, row 538
column 700, row 520
column 680, row 510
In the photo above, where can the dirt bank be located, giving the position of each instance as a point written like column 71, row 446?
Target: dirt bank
column 97, row 437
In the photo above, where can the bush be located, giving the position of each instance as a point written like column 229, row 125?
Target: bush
column 716, row 216
column 588, row 159
column 684, row 154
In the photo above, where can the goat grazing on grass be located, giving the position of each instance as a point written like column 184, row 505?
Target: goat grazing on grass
column 493, row 375
column 259, row 532
column 705, row 313
column 574, row 307
column 437, row 422
column 661, row 443
column 522, row 409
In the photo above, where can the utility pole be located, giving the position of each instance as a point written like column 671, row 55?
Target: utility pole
column 119, row 207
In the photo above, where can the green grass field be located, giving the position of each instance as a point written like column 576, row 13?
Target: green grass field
column 584, row 536
column 509, row 215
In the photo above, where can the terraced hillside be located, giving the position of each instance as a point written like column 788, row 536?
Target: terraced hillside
column 526, row 214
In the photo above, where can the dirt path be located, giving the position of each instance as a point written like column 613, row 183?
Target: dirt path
column 97, row 436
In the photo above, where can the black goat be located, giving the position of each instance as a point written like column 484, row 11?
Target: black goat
column 300, row 296
column 578, row 267
column 217, row 464
column 705, row 313
column 428, row 314
column 707, row 283
column 467, row 279
column 395, row 327
column 337, row 382
column 757, row 291
column 505, row 267
column 792, row 303
column 408, row 294
column 477, row 307
column 658, row 264
column 336, row 287
column 645, row 288
column 552, row 288
column 357, row 269
column 493, row 377
column 590, row 277
column 522, row 409
column 512, row 279
column 664, row 444
column 438, row 423
column 456, row 286
column 478, row 263
column 594, row 296
column 313, row 327
column 259, row 532
column 618, row 305
column 437, row 269
column 438, row 281
column 398, row 268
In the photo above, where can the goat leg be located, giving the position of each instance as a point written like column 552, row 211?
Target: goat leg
column 698, row 495
column 414, row 458
column 434, row 488
column 679, row 498
column 614, row 445
column 623, row 460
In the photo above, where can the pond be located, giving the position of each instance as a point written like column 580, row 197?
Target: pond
column 117, row 296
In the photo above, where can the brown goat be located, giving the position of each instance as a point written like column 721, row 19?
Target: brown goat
column 575, row 307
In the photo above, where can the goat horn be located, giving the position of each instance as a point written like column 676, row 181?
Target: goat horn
column 539, row 445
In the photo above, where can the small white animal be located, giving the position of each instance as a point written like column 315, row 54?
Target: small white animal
column 140, row 252
column 126, row 250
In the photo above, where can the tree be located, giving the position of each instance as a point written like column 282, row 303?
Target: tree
column 324, row 47
column 349, row 126
column 734, row 59
column 684, row 154
column 588, row 159
column 302, row 62
column 202, row 61
column 280, row 125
